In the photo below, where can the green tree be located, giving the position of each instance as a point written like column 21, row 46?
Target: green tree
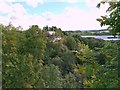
column 107, row 76
column 113, row 17
column 35, row 42
column 113, row 21
column 9, row 55
column 52, row 76
column 86, row 67
column 70, row 43
column 69, row 81
column 23, row 52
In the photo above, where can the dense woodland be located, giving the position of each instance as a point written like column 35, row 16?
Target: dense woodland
column 32, row 59
column 52, row 58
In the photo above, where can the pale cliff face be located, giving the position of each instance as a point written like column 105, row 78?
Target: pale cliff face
column 51, row 32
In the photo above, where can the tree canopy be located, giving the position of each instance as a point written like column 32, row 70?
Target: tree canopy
column 113, row 17
column 31, row 60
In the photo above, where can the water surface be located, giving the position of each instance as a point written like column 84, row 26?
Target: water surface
column 104, row 37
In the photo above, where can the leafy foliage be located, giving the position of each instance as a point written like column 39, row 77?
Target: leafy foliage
column 113, row 17
column 32, row 60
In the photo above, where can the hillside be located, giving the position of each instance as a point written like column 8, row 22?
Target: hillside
column 52, row 58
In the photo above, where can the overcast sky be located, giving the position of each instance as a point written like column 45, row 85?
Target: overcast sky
column 65, row 14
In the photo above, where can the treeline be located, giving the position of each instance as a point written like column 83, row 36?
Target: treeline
column 36, row 59
column 90, row 32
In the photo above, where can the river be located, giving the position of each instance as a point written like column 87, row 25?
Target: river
column 104, row 37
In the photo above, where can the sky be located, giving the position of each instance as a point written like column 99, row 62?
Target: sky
column 65, row 14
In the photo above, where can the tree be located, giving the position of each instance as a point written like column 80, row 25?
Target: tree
column 35, row 42
column 113, row 17
column 9, row 55
column 86, row 67
column 1, row 26
column 113, row 20
column 69, row 81
column 23, row 52
column 51, row 76
column 70, row 43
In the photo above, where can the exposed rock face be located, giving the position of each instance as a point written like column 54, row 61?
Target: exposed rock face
column 54, row 36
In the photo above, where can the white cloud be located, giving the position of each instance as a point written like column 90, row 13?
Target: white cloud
column 24, row 21
column 18, row 8
column 33, row 3
column 92, row 3
column 7, row 8
column 4, row 8
column 71, row 19
column 70, row 1
column 13, row 12
column 74, row 18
